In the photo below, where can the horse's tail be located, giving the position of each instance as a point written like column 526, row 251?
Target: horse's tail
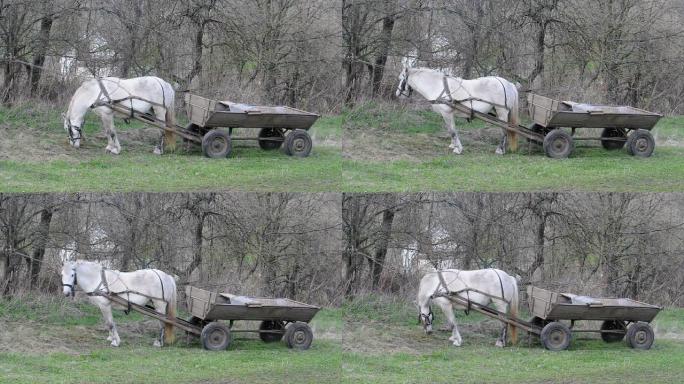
column 513, row 311
column 170, row 118
column 169, row 336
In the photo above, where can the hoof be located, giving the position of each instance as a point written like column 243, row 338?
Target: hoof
column 499, row 151
column 115, row 343
column 499, row 344
column 457, row 343
column 458, row 150
column 157, row 151
column 157, row 344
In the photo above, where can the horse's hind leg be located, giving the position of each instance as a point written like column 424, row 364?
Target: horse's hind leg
column 502, row 114
column 501, row 306
column 161, row 115
column 160, row 306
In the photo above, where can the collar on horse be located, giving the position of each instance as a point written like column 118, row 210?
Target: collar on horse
column 403, row 85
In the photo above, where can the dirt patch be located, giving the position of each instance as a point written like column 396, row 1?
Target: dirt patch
column 34, row 144
column 376, row 338
column 32, row 337
column 383, row 145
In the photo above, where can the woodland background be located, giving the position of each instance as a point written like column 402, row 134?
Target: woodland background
column 327, row 248
column 330, row 54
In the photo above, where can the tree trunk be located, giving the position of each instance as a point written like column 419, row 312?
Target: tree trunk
column 42, row 232
column 41, row 51
column 385, row 42
column 378, row 261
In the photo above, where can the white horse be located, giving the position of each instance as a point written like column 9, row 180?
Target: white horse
column 139, row 287
column 483, row 286
column 482, row 94
column 141, row 94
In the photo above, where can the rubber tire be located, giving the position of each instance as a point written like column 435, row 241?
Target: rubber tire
column 215, row 336
column 612, row 133
column 556, row 336
column 640, row 335
column 269, row 325
column 213, row 138
column 298, row 143
column 551, row 141
column 270, row 132
column 640, row 143
column 612, row 325
column 298, row 335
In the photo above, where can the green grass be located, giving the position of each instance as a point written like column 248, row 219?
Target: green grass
column 373, row 339
column 372, row 148
column 49, row 164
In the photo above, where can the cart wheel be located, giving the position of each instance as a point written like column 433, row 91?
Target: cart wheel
column 271, row 325
column 558, row 144
column 555, row 336
column 215, row 336
column 640, row 143
column 269, row 145
column 216, row 144
column 613, row 133
column 612, row 325
column 298, row 335
column 640, row 335
column 298, row 143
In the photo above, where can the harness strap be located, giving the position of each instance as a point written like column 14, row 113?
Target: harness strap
column 505, row 94
column 500, row 284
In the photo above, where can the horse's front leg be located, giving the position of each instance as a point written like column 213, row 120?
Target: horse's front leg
column 106, row 309
column 113, row 145
column 448, row 116
column 448, row 310
column 502, row 114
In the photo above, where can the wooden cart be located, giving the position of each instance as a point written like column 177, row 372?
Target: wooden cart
column 278, row 125
column 281, row 319
column 620, row 317
column 621, row 125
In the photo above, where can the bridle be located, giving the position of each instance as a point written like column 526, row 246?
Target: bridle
column 71, row 128
column 426, row 319
column 72, row 285
column 403, row 85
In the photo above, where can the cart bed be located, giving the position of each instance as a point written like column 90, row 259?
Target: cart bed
column 210, row 113
column 211, row 306
column 552, row 113
column 550, row 305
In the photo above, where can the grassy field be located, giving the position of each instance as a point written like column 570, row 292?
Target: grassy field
column 35, row 157
column 372, row 340
column 394, row 149
column 373, row 148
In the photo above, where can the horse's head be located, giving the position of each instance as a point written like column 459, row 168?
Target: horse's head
column 75, row 132
column 426, row 319
column 69, row 280
column 404, row 89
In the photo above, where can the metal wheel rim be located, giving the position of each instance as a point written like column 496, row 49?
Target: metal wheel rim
column 557, row 338
column 641, row 144
column 216, row 337
column 559, row 145
column 299, row 337
column 218, row 144
column 641, row 337
column 299, row 145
